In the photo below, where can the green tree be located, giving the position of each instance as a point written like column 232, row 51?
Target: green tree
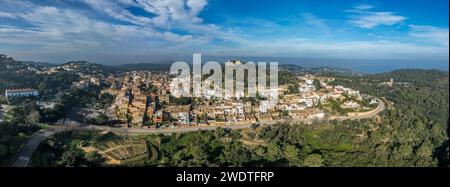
column 317, row 84
column 33, row 117
column 273, row 152
column 3, row 150
column 73, row 157
column 293, row 88
column 313, row 160
column 101, row 119
column 291, row 153
column 94, row 159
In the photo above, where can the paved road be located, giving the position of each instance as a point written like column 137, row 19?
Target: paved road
column 139, row 131
column 23, row 158
column 381, row 106
column 373, row 113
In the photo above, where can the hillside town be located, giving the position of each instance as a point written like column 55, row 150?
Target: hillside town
column 142, row 99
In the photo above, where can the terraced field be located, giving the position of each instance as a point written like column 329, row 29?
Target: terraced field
column 123, row 151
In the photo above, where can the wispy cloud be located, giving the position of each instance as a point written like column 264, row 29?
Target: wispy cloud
column 364, row 7
column 7, row 15
column 314, row 21
column 434, row 35
column 167, row 13
column 379, row 49
column 67, row 30
column 363, row 17
column 116, row 11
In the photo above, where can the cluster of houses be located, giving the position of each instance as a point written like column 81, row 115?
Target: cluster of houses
column 309, row 97
column 142, row 100
column 137, row 97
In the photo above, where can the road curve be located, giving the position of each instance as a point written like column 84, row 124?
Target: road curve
column 23, row 158
column 140, row 131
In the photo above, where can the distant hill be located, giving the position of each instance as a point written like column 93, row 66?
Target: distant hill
column 39, row 64
column 416, row 76
column 89, row 66
column 86, row 67
column 81, row 64
column 9, row 63
column 156, row 66
column 316, row 70
column 291, row 67
column 12, row 63
column 5, row 59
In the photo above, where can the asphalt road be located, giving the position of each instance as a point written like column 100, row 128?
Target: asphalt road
column 381, row 106
column 139, row 131
column 23, row 158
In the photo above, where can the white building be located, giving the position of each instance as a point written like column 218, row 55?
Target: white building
column 318, row 115
column 350, row 104
column 21, row 93
column 352, row 92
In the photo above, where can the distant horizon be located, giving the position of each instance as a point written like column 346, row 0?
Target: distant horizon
column 356, row 65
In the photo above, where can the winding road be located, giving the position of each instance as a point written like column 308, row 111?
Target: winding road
column 140, row 131
column 23, row 158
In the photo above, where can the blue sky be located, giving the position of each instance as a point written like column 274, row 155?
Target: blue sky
column 128, row 31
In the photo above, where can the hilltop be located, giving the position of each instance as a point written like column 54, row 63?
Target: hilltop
column 10, row 63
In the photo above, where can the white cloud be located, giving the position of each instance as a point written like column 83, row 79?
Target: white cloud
column 364, row 7
column 301, row 47
column 116, row 11
column 64, row 30
column 364, row 18
column 74, row 30
column 7, row 15
column 167, row 13
column 312, row 20
column 435, row 35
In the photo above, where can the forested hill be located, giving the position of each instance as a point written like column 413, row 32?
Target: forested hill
column 9, row 63
column 417, row 117
column 160, row 66
column 413, row 76
column 164, row 65
column 321, row 70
